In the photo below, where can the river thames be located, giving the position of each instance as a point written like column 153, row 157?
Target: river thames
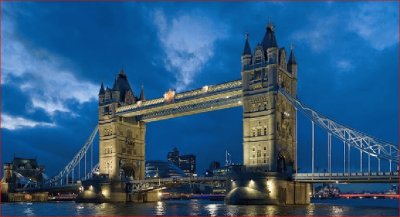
column 337, row 207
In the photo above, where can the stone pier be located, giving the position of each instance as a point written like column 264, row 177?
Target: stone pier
column 269, row 188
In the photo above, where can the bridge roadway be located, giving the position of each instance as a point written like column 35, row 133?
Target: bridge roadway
column 56, row 188
column 154, row 183
column 360, row 177
column 161, row 183
column 207, row 98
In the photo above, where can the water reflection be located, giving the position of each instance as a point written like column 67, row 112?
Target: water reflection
column 310, row 209
column 160, row 208
column 202, row 208
column 336, row 210
column 194, row 208
column 28, row 211
column 212, row 209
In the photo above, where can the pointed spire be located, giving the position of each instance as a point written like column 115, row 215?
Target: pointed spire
column 269, row 39
column 102, row 91
column 115, row 85
column 292, row 59
column 142, row 94
column 246, row 50
column 122, row 72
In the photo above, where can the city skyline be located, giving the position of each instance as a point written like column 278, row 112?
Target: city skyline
column 67, row 107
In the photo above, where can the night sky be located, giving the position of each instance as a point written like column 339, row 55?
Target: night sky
column 56, row 54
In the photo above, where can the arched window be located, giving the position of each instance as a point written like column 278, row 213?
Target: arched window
column 258, row 57
column 129, row 133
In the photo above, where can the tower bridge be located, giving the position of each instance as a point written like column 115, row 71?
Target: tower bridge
column 267, row 92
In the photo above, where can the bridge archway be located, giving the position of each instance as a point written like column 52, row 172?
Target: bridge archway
column 281, row 163
column 126, row 170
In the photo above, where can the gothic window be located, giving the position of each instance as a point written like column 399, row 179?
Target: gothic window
column 254, row 149
column 129, row 133
column 259, row 107
column 258, row 153
column 259, row 132
column 265, row 105
column 253, row 107
column 258, row 57
column 265, row 148
column 258, row 75
column 106, row 110
column 254, row 132
column 265, row 161
column 265, row 130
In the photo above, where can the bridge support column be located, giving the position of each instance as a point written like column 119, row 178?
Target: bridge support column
column 255, row 187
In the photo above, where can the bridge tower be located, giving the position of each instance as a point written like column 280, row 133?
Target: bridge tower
column 269, row 120
column 269, row 127
column 122, row 139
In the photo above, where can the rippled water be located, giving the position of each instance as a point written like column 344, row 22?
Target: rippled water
column 340, row 207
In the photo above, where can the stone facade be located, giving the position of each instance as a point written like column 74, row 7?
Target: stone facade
column 122, row 139
column 269, row 121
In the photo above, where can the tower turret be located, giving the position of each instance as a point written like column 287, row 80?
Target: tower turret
column 270, row 45
column 142, row 98
column 101, row 93
column 269, row 40
column 246, row 55
column 121, row 87
column 292, row 64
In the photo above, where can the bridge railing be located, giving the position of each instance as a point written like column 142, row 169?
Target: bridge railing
column 75, row 161
column 179, row 179
column 361, row 141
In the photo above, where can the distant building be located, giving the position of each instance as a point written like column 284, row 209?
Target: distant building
column 185, row 162
column 173, row 156
column 213, row 165
column 188, row 164
column 162, row 169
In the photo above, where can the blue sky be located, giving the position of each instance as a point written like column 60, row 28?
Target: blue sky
column 56, row 54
